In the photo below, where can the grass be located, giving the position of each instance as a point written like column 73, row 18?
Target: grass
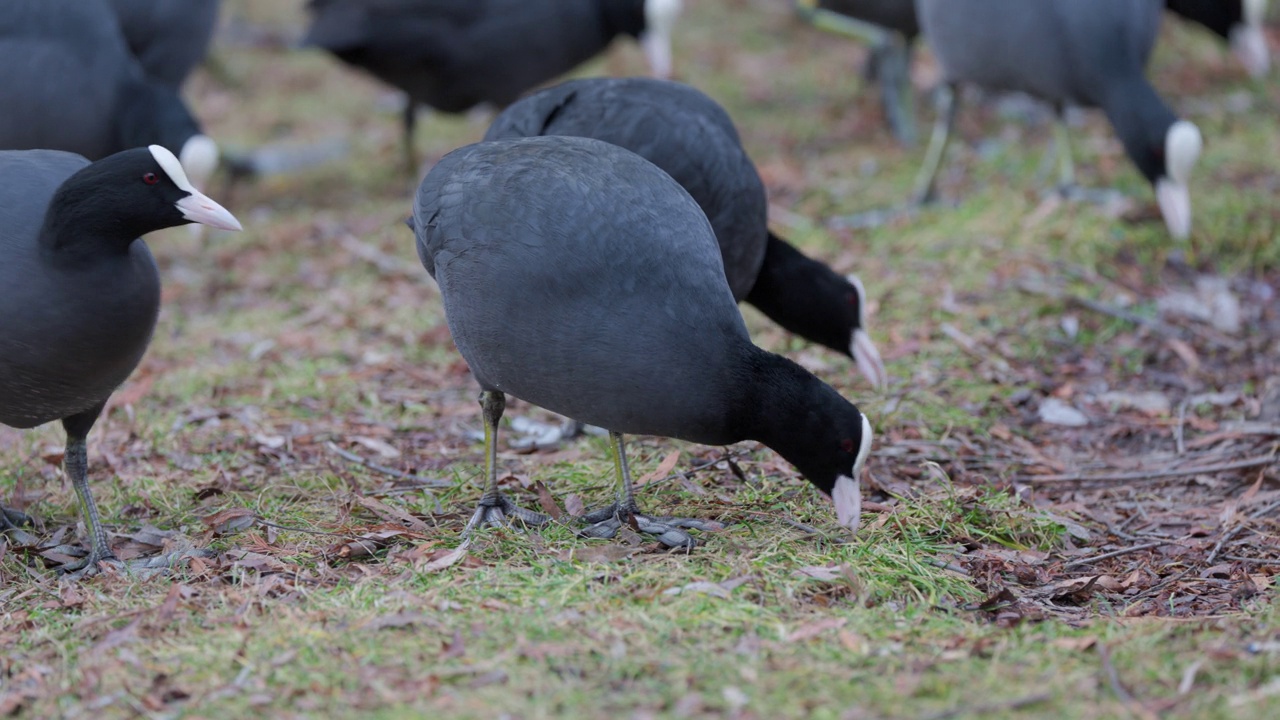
column 274, row 342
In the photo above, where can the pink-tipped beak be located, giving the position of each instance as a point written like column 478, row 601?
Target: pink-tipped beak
column 1175, row 205
column 199, row 208
column 868, row 359
column 847, row 497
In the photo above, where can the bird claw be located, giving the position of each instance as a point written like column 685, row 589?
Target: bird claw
column 497, row 511
column 142, row 568
column 606, row 522
column 11, row 519
column 539, row 435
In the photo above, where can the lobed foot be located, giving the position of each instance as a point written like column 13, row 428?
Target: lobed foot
column 147, row 567
column 606, row 522
column 495, row 510
column 11, row 519
column 540, row 435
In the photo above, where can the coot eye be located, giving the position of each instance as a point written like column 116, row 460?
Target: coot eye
column 846, row 445
column 150, row 179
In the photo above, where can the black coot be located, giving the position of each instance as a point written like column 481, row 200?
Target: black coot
column 1239, row 22
column 79, row 292
column 580, row 277
column 70, row 83
column 453, row 55
column 1090, row 53
column 687, row 134
column 169, row 37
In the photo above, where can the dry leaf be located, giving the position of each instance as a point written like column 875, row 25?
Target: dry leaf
column 231, row 520
column 400, row 620
column 1075, row 643
column 702, row 586
column 574, row 506
column 598, row 553
column 388, row 512
column 664, row 469
column 443, row 559
column 547, row 502
column 382, row 448
column 812, row 630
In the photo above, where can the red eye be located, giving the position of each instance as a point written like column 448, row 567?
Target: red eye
column 846, row 445
column 150, row 179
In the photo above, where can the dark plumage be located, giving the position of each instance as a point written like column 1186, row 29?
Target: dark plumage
column 1237, row 21
column 80, row 290
column 1089, row 53
column 578, row 276
column 169, row 37
column 684, row 132
column 70, row 83
column 456, row 54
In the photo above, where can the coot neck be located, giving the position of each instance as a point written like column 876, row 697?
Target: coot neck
column 799, row 417
column 790, row 288
column 84, row 221
column 622, row 17
column 1141, row 120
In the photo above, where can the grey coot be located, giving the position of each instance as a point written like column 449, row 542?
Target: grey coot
column 1239, row 22
column 1089, row 53
column 456, row 54
column 79, row 292
column 168, row 37
column 70, row 83
column 687, row 134
column 893, row 27
column 578, row 276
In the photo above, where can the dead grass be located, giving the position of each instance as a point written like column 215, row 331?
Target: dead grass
column 1009, row 567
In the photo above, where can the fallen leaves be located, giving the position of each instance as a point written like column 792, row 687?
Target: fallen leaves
column 664, row 469
column 390, row 513
column 814, row 629
column 231, row 520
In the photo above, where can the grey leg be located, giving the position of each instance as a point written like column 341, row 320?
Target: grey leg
column 76, row 466
column 75, row 463
column 410, row 124
column 1062, row 146
column 605, row 522
column 494, row 507
column 948, row 104
column 891, row 63
column 1068, row 189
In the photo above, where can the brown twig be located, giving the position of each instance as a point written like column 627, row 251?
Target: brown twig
column 1113, row 679
column 1116, row 553
column 423, row 482
column 946, row 566
column 1154, row 474
column 991, row 708
column 1217, row 548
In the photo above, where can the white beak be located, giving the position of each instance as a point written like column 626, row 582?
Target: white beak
column 847, row 497
column 199, row 208
column 1175, row 205
column 657, row 51
column 199, row 157
column 1250, row 46
column 868, row 359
